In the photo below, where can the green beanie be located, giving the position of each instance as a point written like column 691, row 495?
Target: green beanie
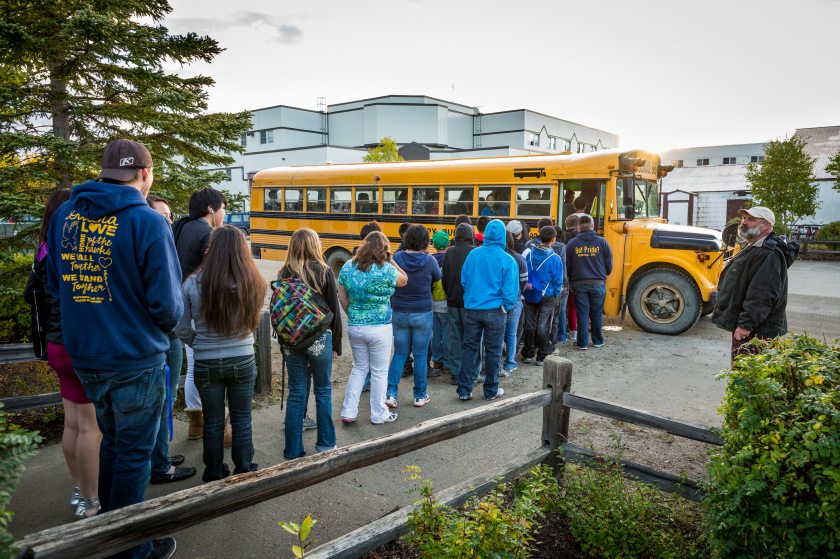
column 440, row 240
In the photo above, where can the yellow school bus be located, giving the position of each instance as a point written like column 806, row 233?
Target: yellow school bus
column 665, row 275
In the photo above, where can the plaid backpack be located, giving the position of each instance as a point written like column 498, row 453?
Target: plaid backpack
column 299, row 315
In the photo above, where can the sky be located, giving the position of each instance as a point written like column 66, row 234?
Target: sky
column 660, row 74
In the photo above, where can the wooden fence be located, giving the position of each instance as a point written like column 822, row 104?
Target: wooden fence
column 110, row 532
column 805, row 249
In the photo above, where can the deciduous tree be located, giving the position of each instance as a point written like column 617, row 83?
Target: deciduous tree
column 833, row 167
column 784, row 181
column 387, row 150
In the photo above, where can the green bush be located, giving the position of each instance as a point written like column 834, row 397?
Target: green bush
column 491, row 527
column 15, row 322
column 16, row 445
column 774, row 487
column 829, row 232
column 613, row 517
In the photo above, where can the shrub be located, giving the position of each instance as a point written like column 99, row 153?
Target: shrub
column 774, row 487
column 15, row 325
column 16, row 445
column 829, row 232
column 613, row 517
column 485, row 528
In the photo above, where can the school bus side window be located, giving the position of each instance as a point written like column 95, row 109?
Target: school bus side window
column 425, row 200
column 272, row 199
column 494, row 201
column 395, row 200
column 458, row 200
column 533, row 201
column 367, row 200
column 294, row 199
column 340, row 200
column 316, row 200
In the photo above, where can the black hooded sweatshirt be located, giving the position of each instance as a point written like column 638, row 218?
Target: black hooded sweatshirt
column 753, row 289
column 453, row 261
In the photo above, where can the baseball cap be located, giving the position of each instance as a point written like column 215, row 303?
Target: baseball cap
column 122, row 158
column 514, row 227
column 760, row 212
column 440, row 240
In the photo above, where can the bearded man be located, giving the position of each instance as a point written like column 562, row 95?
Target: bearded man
column 753, row 288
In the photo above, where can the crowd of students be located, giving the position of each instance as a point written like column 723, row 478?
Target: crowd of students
column 128, row 294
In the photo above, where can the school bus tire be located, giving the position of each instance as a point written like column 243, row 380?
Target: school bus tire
column 708, row 308
column 336, row 259
column 665, row 301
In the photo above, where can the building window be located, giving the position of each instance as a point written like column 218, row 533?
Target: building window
column 552, row 142
column 756, row 158
column 534, row 140
column 243, row 140
column 729, row 160
column 228, row 174
column 567, row 145
column 266, row 136
column 702, row 162
column 677, row 163
column 581, row 147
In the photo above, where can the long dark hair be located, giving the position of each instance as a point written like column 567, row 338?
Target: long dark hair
column 232, row 289
column 374, row 250
column 54, row 201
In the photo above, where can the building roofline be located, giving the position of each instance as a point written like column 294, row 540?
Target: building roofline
column 549, row 116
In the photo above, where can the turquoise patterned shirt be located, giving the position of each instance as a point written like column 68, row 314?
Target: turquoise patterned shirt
column 369, row 293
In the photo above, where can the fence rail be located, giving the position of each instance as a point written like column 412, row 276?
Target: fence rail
column 107, row 533
column 805, row 250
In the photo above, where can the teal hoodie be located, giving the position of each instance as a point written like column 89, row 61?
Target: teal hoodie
column 490, row 275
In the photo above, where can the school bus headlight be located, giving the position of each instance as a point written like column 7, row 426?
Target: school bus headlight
column 703, row 257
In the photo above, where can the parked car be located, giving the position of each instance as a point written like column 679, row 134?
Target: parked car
column 240, row 221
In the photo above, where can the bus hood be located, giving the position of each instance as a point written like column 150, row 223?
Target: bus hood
column 679, row 237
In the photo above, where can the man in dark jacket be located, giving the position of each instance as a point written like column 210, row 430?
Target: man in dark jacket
column 752, row 291
column 589, row 262
column 453, row 261
column 113, row 270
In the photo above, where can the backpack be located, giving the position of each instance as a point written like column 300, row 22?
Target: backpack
column 534, row 289
column 299, row 315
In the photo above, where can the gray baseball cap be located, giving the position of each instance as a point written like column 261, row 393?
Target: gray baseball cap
column 122, row 158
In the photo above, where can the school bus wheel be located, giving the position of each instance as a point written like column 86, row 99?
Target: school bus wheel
column 336, row 259
column 665, row 301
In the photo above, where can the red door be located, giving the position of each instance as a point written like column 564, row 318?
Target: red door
column 733, row 207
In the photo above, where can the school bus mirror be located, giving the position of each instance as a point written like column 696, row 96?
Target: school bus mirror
column 665, row 169
column 631, row 163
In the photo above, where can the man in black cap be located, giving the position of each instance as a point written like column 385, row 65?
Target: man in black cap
column 113, row 269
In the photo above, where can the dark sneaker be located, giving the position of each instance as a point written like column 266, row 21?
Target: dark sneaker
column 432, row 373
column 527, row 360
column 597, row 345
column 499, row 393
column 579, row 347
column 179, row 474
column 539, row 362
column 163, row 548
column 465, row 397
column 176, row 459
column 309, row 423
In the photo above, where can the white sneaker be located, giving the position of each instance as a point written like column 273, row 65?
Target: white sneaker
column 391, row 401
column 420, row 402
column 499, row 393
column 390, row 418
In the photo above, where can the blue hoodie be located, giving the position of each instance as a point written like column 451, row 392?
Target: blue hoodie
column 490, row 275
column 113, row 268
column 548, row 266
column 588, row 257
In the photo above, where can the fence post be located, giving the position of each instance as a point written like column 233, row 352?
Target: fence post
column 557, row 376
column 804, row 247
column 262, row 384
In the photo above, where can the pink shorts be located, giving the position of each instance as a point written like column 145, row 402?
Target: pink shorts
column 69, row 386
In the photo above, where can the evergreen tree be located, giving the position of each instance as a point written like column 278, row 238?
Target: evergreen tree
column 784, row 181
column 77, row 74
column 387, row 150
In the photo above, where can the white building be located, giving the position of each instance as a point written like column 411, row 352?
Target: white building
column 708, row 185
column 423, row 127
column 822, row 144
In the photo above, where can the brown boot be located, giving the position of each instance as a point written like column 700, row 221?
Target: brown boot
column 196, row 428
column 228, row 434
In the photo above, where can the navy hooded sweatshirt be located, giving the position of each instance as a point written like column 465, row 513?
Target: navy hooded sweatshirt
column 422, row 270
column 113, row 269
column 588, row 258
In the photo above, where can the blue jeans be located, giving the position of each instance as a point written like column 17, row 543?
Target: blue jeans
column 128, row 407
column 490, row 324
column 412, row 332
column 313, row 364
column 160, row 454
column 214, row 379
column 559, row 331
column 440, row 339
column 589, row 298
column 457, row 320
column 511, row 341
